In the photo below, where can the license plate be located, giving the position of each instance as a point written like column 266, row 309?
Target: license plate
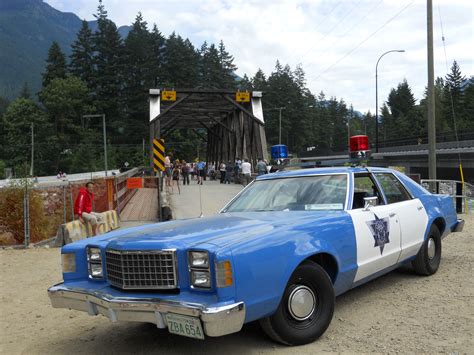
column 183, row 325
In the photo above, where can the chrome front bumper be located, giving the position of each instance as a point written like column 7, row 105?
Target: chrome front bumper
column 217, row 321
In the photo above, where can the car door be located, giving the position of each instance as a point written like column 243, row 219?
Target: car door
column 410, row 211
column 377, row 229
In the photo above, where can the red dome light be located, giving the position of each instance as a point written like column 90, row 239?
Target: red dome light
column 359, row 143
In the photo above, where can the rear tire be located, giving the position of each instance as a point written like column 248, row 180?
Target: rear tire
column 306, row 309
column 429, row 256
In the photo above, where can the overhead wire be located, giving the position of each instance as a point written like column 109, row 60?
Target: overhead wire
column 452, row 107
column 363, row 41
column 450, row 92
column 332, row 29
column 356, row 24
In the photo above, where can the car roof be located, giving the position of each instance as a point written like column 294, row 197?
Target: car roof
column 322, row 171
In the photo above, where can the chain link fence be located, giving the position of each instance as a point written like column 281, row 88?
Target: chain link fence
column 32, row 212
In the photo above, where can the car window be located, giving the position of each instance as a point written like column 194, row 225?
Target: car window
column 308, row 193
column 364, row 186
column 393, row 189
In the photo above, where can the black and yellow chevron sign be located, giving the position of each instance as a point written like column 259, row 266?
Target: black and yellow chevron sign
column 158, row 154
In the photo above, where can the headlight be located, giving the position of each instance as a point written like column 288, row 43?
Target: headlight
column 94, row 263
column 199, row 269
column 200, row 279
column 199, row 259
column 95, row 270
column 68, row 262
column 93, row 254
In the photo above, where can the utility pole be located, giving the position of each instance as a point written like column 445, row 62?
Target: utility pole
column 279, row 130
column 32, row 148
column 105, row 138
column 431, row 101
column 105, row 144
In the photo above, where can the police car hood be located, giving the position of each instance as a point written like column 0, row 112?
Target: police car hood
column 218, row 231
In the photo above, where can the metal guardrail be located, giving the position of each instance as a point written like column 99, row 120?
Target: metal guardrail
column 461, row 192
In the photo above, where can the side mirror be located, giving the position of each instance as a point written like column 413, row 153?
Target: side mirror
column 370, row 202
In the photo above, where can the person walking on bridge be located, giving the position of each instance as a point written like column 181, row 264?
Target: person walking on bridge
column 229, row 169
column 185, row 167
column 201, row 166
column 246, row 172
column 222, row 171
column 261, row 167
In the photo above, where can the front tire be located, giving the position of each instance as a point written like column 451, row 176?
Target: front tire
column 429, row 256
column 306, row 309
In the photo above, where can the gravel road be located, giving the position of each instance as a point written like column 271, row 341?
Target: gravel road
column 399, row 312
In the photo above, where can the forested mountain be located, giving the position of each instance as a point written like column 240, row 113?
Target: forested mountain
column 27, row 29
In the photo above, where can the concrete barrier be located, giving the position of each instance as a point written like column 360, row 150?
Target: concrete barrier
column 76, row 230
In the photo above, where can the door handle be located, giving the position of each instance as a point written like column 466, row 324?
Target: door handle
column 391, row 215
column 419, row 208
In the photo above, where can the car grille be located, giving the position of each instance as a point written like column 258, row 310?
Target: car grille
column 140, row 270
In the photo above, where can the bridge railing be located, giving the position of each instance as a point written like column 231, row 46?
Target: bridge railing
column 462, row 193
column 445, row 137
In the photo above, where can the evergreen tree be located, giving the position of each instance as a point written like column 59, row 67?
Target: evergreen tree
column 66, row 100
column 387, row 124
column 3, row 108
column 259, row 81
column 322, row 131
column 107, row 82
column 402, row 123
column 211, row 71
column 17, row 121
column 454, row 81
column 453, row 100
column 157, row 48
column 25, row 92
column 139, row 76
column 245, row 84
column 82, row 57
column 228, row 68
column 468, row 122
column 180, row 63
column 368, row 126
column 55, row 64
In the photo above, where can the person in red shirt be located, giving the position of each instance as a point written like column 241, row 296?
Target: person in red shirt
column 83, row 207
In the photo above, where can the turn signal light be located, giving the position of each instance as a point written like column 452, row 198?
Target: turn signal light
column 224, row 275
column 68, row 261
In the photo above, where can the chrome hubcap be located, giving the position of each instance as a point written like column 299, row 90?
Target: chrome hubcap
column 431, row 248
column 301, row 303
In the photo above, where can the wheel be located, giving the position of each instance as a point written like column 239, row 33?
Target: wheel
column 428, row 258
column 306, row 308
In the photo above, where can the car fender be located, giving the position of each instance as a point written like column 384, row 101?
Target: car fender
column 265, row 264
column 439, row 207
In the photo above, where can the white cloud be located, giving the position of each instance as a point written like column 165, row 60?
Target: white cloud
column 316, row 33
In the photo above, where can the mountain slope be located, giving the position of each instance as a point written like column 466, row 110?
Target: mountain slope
column 27, row 29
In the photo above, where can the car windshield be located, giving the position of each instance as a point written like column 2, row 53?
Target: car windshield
column 309, row 193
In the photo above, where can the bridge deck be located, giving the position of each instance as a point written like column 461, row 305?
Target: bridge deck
column 213, row 196
column 143, row 206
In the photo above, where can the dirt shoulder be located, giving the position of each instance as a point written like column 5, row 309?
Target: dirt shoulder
column 399, row 312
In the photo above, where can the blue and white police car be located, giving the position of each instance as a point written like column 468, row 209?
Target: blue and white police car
column 279, row 252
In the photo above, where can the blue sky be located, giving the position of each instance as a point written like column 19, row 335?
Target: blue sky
column 336, row 42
